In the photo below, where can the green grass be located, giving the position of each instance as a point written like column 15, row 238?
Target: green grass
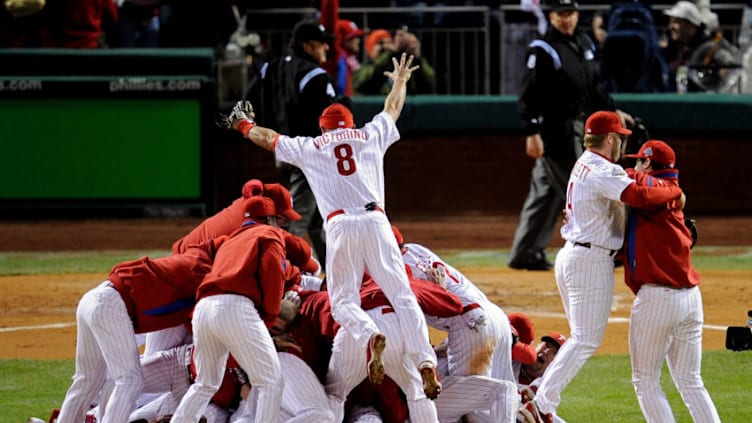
column 32, row 263
column 602, row 391
column 710, row 258
column 32, row 388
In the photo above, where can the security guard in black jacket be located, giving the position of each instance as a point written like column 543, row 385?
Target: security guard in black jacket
column 560, row 89
column 289, row 93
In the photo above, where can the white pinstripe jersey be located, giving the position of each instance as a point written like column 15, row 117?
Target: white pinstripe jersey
column 594, row 210
column 420, row 259
column 344, row 167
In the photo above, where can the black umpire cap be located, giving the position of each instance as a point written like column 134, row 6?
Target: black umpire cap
column 563, row 5
column 310, row 30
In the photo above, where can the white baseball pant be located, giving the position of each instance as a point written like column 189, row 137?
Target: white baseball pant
column 164, row 372
column 347, row 367
column 163, row 340
column 666, row 324
column 360, row 414
column 363, row 240
column 105, row 341
column 585, row 277
column 475, row 396
column 224, row 324
column 303, row 399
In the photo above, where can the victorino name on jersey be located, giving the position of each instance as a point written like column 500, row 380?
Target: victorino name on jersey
column 342, row 135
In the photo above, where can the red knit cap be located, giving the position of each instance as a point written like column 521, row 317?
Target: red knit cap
column 336, row 116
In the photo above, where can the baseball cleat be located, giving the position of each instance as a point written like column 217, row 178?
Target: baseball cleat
column 376, row 345
column 431, row 384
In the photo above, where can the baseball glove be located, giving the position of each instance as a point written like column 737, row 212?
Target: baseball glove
column 241, row 111
column 691, row 224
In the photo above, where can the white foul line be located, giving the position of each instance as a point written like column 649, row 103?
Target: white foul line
column 538, row 314
column 613, row 319
column 50, row 326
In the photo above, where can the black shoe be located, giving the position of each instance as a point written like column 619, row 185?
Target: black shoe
column 531, row 265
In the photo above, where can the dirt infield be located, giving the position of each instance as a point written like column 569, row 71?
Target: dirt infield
column 37, row 313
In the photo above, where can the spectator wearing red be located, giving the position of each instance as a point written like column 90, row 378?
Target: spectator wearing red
column 342, row 59
column 78, row 23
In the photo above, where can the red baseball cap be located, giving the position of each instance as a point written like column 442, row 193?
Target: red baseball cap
column 604, row 122
column 256, row 207
column 299, row 253
column 336, row 116
column 523, row 325
column 523, row 352
column 556, row 338
column 282, row 200
column 348, row 29
column 657, row 151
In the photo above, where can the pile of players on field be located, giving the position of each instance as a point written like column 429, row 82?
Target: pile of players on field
column 489, row 363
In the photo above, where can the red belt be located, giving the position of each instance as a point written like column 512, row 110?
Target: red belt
column 386, row 310
column 368, row 207
column 469, row 307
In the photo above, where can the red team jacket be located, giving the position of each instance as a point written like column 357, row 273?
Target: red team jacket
column 250, row 263
column 657, row 244
column 433, row 299
column 225, row 222
column 160, row 293
column 387, row 398
column 314, row 332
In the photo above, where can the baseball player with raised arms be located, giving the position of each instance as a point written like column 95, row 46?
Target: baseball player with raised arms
column 139, row 296
column 594, row 231
column 236, row 303
column 344, row 167
column 667, row 316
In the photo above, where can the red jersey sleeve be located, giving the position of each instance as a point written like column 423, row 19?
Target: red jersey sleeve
column 434, row 300
column 640, row 196
column 271, row 277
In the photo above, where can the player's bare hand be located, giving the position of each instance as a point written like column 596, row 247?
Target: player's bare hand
column 402, row 69
column 534, row 146
column 437, row 275
column 292, row 297
column 680, row 202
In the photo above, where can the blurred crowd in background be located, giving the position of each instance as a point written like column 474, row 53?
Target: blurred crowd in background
column 680, row 47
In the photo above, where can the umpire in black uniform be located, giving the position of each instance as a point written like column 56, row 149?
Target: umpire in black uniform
column 560, row 89
column 289, row 94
